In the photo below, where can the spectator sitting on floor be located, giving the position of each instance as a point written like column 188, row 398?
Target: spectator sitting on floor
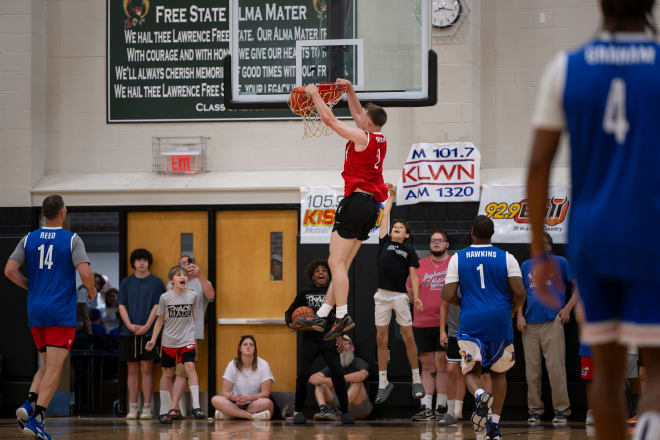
column 245, row 385
column 356, row 372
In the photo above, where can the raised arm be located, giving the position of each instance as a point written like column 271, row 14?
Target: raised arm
column 385, row 219
column 354, row 104
column 357, row 135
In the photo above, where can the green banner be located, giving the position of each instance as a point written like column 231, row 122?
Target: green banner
column 165, row 57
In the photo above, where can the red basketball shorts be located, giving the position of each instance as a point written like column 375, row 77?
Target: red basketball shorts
column 61, row 337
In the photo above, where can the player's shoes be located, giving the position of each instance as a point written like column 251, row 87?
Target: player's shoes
column 340, row 327
column 261, row 415
column 23, row 413
column 493, row 431
column 383, row 394
column 312, row 323
column 423, row 415
column 439, row 411
column 446, row 420
column 589, row 420
column 35, row 429
column 326, row 413
column 480, row 415
column 534, row 418
column 198, row 413
column 146, row 413
column 559, row 419
column 417, row 390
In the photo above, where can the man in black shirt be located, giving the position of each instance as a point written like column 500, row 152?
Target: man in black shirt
column 356, row 372
column 396, row 261
column 313, row 344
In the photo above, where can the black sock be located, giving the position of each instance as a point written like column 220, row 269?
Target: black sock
column 32, row 399
column 39, row 413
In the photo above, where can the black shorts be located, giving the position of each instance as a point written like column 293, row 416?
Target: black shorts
column 132, row 349
column 453, row 355
column 356, row 216
column 170, row 356
column 427, row 339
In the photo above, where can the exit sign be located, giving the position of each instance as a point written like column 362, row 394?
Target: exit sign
column 179, row 155
column 182, row 162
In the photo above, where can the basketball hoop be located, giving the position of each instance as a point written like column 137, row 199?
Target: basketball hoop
column 302, row 105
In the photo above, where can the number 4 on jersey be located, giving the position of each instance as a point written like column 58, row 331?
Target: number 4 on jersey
column 615, row 121
column 48, row 260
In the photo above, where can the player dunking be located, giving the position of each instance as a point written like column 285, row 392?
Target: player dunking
column 52, row 256
column 357, row 213
column 606, row 94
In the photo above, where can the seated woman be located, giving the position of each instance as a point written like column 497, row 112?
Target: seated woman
column 245, row 385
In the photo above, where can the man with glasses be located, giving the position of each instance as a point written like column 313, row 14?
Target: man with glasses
column 431, row 275
column 356, row 372
column 542, row 329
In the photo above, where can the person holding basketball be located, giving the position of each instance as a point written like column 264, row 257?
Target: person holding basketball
column 52, row 256
column 313, row 345
column 357, row 213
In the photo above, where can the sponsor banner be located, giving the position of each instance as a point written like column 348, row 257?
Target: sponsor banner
column 444, row 172
column 318, row 205
column 507, row 206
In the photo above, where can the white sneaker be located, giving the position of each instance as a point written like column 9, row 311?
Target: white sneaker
column 132, row 412
column 219, row 415
column 146, row 413
column 590, row 418
column 263, row 415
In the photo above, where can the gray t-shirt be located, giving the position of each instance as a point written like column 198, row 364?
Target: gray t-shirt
column 452, row 319
column 196, row 284
column 78, row 252
column 177, row 313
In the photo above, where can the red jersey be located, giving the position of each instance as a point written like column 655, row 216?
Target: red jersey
column 364, row 169
column 431, row 282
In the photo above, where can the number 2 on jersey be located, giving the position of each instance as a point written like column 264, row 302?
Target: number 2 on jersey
column 614, row 121
column 48, row 259
column 377, row 159
column 480, row 269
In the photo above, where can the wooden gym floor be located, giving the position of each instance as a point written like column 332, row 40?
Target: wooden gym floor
column 119, row 429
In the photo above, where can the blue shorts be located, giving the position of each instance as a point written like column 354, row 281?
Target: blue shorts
column 498, row 356
column 624, row 311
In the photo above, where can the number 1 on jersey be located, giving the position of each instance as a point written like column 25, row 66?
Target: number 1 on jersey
column 614, row 121
column 48, row 260
column 480, row 268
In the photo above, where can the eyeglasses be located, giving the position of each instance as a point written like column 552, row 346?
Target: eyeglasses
column 438, row 240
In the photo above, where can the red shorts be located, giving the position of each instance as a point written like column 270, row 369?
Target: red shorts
column 173, row 356
column 61, row 337
column 587, row 368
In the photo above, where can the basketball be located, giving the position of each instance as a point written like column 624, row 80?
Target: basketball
column 301, row 312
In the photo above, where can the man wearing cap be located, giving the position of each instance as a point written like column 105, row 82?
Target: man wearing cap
column 356, row 372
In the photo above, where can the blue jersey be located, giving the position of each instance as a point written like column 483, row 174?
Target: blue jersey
column 51, row 299
column 611, row 102
column 536, row 311
column 486, row 306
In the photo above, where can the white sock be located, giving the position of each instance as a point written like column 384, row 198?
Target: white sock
column 495, row 418
column 458, row 412
column 382, row 379
column 427, row 401
column 440, row 400
column 415, row 374
column 146, row 406
column 648, row 422
column 324, row 310
column 342, row 311
column 194, row 394
column 451, row 404
column 134, row 405
column 165, row 401
column 478, row 393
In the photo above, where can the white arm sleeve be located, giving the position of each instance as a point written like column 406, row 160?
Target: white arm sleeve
column 512, row 266
column 549, row 110
column 452, row 270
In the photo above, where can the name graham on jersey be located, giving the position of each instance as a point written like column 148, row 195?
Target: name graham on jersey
column 620, row 55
